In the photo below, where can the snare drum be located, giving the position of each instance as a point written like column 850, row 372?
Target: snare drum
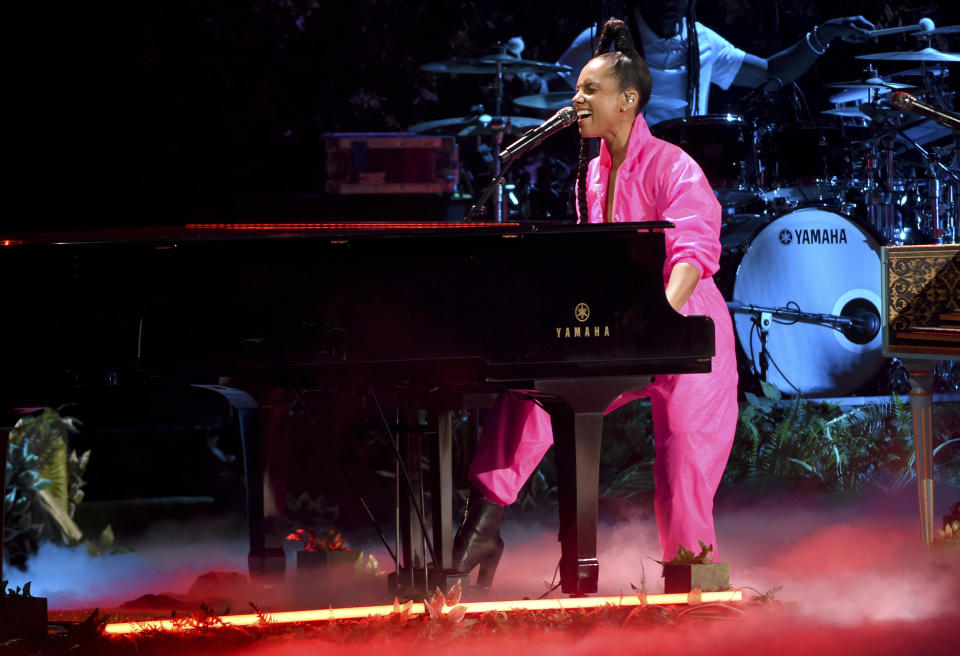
column 818, row 261
column 723, row 146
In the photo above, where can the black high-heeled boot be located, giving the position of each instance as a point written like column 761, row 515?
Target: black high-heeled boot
column 478, row 540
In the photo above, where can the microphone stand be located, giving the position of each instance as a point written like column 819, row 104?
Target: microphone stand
column 834, row 321
column 860, row 326
column 478, row 210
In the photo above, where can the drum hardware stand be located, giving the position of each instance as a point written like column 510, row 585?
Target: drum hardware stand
column 936, row 168
column 762, row 321
column 498, row 141
column 478, row 210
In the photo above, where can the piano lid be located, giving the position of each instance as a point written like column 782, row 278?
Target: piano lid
column 311, row 230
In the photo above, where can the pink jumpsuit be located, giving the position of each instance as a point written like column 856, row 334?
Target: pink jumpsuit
column 694, row 415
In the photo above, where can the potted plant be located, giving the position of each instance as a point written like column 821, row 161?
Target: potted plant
column 948, row 538
column 322, row 552
column 688, row 571
column 21, row 614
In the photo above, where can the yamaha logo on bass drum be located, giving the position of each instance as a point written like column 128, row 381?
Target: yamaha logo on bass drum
column 813, row 236
column 582, row 329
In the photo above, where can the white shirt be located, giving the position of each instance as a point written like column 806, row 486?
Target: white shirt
column 720, row 61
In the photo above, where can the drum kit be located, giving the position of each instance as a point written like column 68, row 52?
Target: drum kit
column 806, row 205
column 801, row 266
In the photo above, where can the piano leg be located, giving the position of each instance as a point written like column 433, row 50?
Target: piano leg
column 441, row 489
column 261, row 560
column 412, row 547
column 576, row 410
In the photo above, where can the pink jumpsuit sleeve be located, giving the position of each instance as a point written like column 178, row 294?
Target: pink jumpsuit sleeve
column 686, row 200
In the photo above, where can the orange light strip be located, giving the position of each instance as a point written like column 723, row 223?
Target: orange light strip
column 475, row 607
column 428, row 225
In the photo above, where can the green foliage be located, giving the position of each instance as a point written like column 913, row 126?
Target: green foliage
column 47, row 434
column 539, row 492
column 626, row 462
column 779, row 444
column 22, row 483
column 104, row 544
column 16, row 592
column 686, row 557
column 42, row 485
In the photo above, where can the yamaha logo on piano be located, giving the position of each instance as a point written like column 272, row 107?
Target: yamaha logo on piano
column 582, row 313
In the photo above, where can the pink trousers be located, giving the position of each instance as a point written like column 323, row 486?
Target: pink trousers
column 694, row 421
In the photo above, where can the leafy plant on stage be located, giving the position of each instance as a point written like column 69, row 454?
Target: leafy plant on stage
column 780, row 443
column 950, row 532
column 16, row 592
column 331, row 540
column 42, row 484
column 104, row 543
column 626, row 462
column 22, row 483
column 540, row 491
column 442, row 610
column 686, row 557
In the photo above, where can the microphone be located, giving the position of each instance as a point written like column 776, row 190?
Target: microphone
column 532, row 137
column 858, row 321
column 908, row 103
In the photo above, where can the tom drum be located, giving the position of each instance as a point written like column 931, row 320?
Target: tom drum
column 723, row 146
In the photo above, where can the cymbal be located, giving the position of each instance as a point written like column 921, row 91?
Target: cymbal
column 949, row 29
column 846, row 112
column 487, row 65
column 554, row 100
column 853, row 95
column 551, row 101
column 927, row 55
column 869, row 83
column 469, row 126
column 933, row 71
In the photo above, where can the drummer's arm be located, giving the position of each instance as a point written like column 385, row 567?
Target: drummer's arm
column 787, row 65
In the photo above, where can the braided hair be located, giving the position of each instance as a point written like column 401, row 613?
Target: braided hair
column 629, row 68
column 693, row 60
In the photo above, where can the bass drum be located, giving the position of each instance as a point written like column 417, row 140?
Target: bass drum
column 819, row 262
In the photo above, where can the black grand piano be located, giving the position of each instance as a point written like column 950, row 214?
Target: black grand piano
column 571, row 315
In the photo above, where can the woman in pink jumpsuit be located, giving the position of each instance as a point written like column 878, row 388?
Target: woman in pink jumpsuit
column 637, row 177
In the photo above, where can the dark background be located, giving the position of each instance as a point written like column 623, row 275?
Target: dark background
column 162, row 112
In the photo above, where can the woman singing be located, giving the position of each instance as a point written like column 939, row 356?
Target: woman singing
column 636, row 177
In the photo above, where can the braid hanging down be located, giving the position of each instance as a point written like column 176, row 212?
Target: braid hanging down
column 693, row 61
